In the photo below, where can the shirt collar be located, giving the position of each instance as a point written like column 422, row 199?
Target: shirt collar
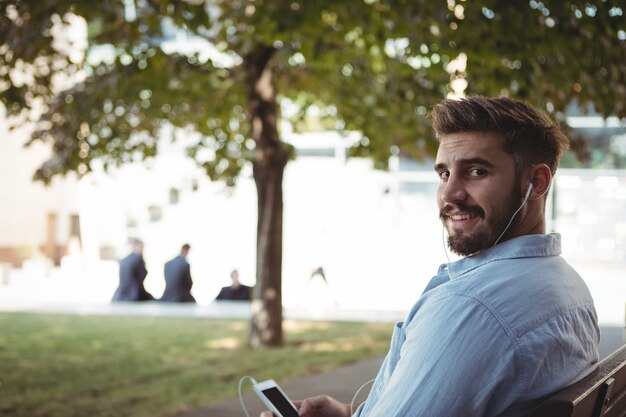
column 527, row 246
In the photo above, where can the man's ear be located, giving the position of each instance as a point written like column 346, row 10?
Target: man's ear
column 541, row 178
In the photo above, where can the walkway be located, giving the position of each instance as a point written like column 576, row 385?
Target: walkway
column 342, row 383
column 216, row 309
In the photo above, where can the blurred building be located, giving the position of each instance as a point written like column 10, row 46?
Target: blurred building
column 36, row 221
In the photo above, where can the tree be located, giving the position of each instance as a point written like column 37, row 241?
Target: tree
column 375, row 66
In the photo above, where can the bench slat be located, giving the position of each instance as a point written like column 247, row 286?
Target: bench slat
column 600, row 394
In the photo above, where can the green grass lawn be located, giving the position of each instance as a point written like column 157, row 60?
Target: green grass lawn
column 94, row 366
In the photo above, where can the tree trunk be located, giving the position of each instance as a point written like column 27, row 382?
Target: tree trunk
column 270, row 159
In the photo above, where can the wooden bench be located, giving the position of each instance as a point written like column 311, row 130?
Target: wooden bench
column 601, row 394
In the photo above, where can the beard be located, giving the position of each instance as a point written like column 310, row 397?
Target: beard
column 489, row 231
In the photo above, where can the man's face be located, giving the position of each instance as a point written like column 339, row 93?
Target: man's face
column 234, row 276
column 478, row 192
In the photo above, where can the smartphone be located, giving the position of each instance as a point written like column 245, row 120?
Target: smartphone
column 275, row 399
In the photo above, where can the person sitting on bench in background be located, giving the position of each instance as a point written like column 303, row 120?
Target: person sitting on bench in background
column 236, row 291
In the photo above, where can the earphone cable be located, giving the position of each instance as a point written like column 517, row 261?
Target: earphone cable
column 243, row 378
column 443, row 242
column 357, row 393
column 513, row 217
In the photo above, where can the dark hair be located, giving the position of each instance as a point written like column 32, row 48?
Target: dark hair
column 528, row 135
column 185, row 247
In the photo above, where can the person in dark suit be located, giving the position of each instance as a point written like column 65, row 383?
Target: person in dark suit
column 236, row 291
column 132, row 274
column 178, row 279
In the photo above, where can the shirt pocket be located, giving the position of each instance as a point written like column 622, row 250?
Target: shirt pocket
column 386, row 370
column 397, row 340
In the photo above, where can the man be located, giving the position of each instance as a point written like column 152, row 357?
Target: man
column 178, row 280
column 132, row 275
column 236, row 291
column 510, row 323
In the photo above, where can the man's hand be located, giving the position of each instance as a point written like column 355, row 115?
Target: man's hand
column 320, row 406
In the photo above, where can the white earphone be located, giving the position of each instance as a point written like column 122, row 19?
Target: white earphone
column 530, row 189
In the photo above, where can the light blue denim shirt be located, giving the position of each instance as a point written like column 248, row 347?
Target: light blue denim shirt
column 491, row 335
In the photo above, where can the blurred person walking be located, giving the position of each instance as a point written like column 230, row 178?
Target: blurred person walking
column 178, row 280
column 132, row 275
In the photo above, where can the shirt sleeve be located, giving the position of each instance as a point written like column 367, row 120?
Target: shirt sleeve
column 456, row 359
